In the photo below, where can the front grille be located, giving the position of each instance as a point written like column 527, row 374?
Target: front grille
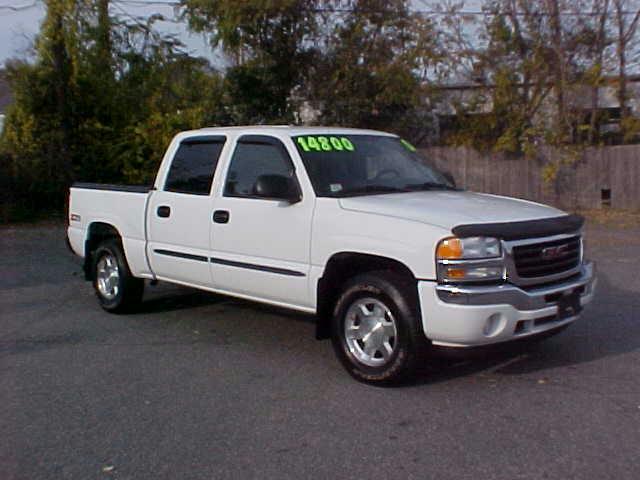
column 547, row 258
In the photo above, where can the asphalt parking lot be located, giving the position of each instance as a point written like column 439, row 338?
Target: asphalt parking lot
column 198, row 386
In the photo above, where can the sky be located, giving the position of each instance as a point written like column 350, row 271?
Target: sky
column 18, row 28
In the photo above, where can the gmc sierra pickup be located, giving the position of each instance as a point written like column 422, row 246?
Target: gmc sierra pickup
column 350, row 225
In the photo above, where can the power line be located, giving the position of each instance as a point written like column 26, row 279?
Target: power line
column 426, row 12
column 18, row 8
column 337, row 10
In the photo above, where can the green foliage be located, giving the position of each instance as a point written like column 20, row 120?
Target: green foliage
column 257, row 94
column 373, row 72
column 98, row 107
column 630, row 128
column 270, row 44
column 529, row 70
column 514, row 65
column 104, row 95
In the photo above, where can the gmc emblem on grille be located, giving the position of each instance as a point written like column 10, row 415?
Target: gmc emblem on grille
column 557, row 251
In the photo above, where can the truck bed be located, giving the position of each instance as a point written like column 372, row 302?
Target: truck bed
column 121, row 205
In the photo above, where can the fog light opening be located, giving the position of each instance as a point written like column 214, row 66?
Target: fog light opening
column 493, row 325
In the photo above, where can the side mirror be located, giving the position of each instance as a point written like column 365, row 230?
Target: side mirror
column 449, row 177
column 277, row 187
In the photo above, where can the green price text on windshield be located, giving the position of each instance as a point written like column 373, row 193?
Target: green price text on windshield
column 325, row 144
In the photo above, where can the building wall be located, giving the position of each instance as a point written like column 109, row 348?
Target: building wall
column 597, row 174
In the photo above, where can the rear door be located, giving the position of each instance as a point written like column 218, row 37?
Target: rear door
column 260, row 246
column 179, row 215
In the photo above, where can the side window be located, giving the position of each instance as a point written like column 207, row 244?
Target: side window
column 253, row 158
column 193, row 166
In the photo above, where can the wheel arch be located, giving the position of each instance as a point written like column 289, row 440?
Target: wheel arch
column 339, row 268
column 97, row 232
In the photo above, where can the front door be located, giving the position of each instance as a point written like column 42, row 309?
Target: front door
column 260, row 246
column 179, row 216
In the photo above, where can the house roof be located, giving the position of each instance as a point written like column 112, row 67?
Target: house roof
column 5, row 92
column 471, row 85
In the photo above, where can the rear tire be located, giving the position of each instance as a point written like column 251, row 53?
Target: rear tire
column 117, row 290
column 377, row 330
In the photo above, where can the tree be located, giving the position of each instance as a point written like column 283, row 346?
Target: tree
column 512, row 65
column 270, row 43
column 531, row 59
column 626, row 27
column 374, row 69
column 40, row 126
column 100, row 103
column 598, row 39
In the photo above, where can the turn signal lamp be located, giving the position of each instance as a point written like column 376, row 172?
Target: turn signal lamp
column 450, row 249
column 468, row 248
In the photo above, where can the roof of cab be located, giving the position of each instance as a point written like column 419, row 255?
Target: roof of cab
column 284, row 129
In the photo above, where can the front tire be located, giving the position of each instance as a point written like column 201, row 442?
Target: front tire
column 117, row 290
column 376, row 329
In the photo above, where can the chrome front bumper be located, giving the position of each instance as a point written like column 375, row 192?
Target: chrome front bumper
column 529, row 299
column 466, row 315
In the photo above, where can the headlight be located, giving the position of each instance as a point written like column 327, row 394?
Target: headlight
column 472, row 259
column 470, row 247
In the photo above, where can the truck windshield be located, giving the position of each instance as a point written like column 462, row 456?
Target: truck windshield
column 350, row 165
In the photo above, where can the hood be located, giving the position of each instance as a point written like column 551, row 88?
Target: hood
column 448, row 209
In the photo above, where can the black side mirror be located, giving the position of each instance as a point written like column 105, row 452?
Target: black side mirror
column 277, row 187
column 449, row 177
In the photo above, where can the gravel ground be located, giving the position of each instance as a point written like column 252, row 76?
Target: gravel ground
column 198, row 386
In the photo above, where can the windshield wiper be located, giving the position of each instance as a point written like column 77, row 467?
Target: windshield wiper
column 372, row 189
column 429, row 186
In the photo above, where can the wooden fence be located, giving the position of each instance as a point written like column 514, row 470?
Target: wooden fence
column 596, row 178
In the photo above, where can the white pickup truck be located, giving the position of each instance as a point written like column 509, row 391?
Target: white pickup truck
column 350, row 225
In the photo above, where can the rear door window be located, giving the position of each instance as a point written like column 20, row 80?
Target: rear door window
column 194, row 164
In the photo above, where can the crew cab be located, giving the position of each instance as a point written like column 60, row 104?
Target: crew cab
column 353, row 226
